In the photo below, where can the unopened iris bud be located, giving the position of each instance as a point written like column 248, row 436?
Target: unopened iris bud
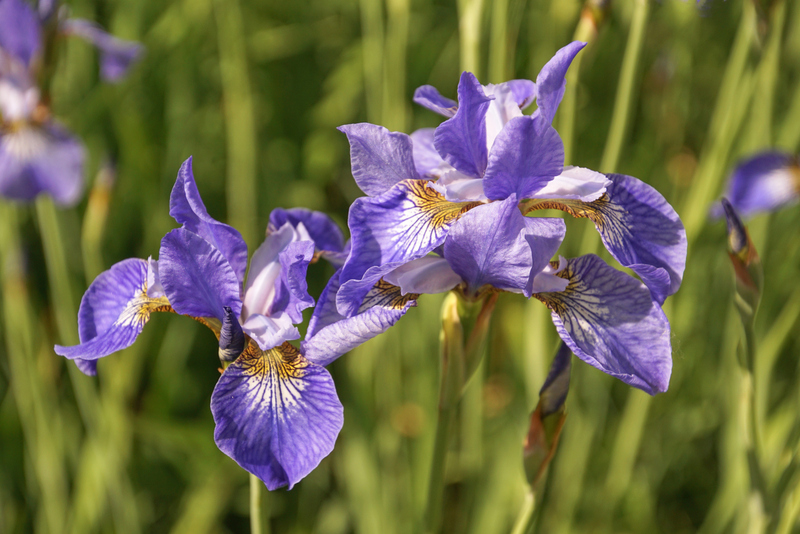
column 231, row 337
column 746, row 263
column 548, row 418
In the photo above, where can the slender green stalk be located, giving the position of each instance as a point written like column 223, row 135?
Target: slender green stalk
column 469, row 28
column 63, row 301
column 527, row 518
column 255, row 505
column 395, row 107
column 239, row 119
column 626, row 87
column 498, row 42
column 372, row 53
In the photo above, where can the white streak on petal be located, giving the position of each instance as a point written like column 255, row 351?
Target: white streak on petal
column 501, row 110
column 576, row 183
column 430, row 274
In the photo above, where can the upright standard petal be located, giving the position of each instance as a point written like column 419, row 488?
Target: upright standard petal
column 610, row 321
column 429, row 97
column 379, row 158
column 320, row 227
column 526, row 155
column 113, row 312
column 429, row 274
column 186, row 207
column 638, row 227
column 551, row 82
column 330, row 334
column 35, row 160
column 495, row 245
column 461, row 140
column 116, row 55
column 403, row 224
column 276, row 414
column 764, row 182
column 197, row 279
column 427, row 161
column 20, row 32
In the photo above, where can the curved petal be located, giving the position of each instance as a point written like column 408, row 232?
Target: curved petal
column 291, row 295
column 427, row 161
column 461, row 140
column 269, row 332
column 429, row 97
column 113, row 312
column 523, row 92
column 20, row 31
column 428, row 275
column 764, row 182
column 404, row 224
column 610, row 321
column 576, row 183
column 36, row 160
column 326, row 234
column 551, row 82
column 379, row 158
column 330, row 335
column 197, row 279
column 116, row 55
column 526, row 155
column 494, row 244
column 187, row 208
column 502, row 109
column 639, row 228
column 277, row 415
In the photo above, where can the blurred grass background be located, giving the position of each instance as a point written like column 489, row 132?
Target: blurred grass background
column 254, row 90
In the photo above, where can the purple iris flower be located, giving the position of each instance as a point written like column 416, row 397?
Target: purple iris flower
column 275, row 406
column 445, row 208
column 37, row 155
column 765, row 182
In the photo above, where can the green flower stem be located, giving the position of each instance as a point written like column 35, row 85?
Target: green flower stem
column 255, row 505
column 526, row 518
column 469, row 31
column 64, row 302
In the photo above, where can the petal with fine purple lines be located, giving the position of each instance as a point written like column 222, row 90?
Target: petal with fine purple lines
column 611, row 322
column 276, row 414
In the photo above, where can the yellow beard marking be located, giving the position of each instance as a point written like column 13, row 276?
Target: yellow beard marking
column 555, row 300
column 137, row 311
column 386, row 295
column 439, row 211
column 280, row 369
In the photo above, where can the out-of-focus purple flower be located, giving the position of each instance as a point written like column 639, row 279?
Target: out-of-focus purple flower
column 37, row 155
column 765, row 182
column 275, row 407
column 445, row 208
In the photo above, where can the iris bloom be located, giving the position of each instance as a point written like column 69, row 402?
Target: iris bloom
column 445, row 208
column 38, row 155
column 275, row 406
column 765, row 182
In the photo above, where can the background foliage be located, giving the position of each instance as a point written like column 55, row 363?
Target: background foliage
column 254, row 90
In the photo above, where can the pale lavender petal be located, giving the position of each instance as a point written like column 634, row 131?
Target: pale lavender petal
column 379, row 158
column 330, row 335
column 20, row 31
column 326, row 234
column 526, row 155
column 764, row 182
column 501, row 110
column 353, row 292
column 428, row 275
column 524, row 91
column 403, row 224
column 35, row 160
column 461, row 140
column 277, row 415
column 291, row 294
column 495, row 245
column 116, row 55
column 186, row 207
column 113, row 312
column 610, row 321
column 551, row 82
column 427, row 161
column 197, row 279
column 271, row 331
column 429, row 97
column 576, row 183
